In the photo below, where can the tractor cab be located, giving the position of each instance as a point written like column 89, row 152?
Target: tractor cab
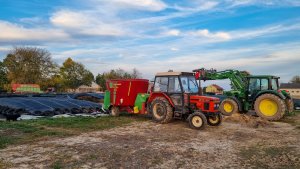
column 180, row 91
column 262, row 83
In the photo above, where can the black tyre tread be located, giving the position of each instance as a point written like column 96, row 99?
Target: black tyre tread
column 115, row 111
column 169, row 114
column 215, row 124
column 281, row 107
column 235, row 107
column 202, row 116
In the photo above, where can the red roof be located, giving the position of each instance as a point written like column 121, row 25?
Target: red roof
column 217, row 86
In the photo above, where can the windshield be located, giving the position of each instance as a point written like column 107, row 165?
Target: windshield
column 189, row 84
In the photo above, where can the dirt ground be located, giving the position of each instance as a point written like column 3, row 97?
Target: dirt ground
column 240, row 142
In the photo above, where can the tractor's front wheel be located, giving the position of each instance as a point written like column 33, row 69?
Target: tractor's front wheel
column 229, row 107
column 270, row 107
column 115, row 111
column 197, row 121
column 215, row 120
column 162, row 111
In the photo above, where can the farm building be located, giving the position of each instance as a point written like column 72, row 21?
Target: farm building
column 293, row 88
column 85, row 89
column 214, row 89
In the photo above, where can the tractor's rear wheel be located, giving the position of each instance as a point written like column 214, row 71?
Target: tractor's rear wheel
column 229, row 107
column 162, row 111
column 115, row 111
column 270, row 107
column 290, row 105
column 215, row 120
column 197, row 121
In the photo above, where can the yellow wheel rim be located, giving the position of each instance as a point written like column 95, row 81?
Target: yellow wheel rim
column 197, row 121
column 213, row 120
column 228, row 107
column 268, row 107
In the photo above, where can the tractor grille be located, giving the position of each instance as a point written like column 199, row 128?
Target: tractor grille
column 206, row 106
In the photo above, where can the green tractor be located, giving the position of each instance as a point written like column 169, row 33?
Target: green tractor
column 250, row 92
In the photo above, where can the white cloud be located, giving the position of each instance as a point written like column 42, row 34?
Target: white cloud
column 149, row 5
column 207, row 34
column 32, row 20
column 238, row 3
column 14, row 32
column 284, row 54
column 4, row 48
column 206, row 5
column 264, row 31
column 172, row 32
column 270, row 30
column 84, row 23
column 70, row 19
column 198, row 6
column 174, row 49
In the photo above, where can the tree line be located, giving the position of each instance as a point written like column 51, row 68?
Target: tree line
column 32, row 65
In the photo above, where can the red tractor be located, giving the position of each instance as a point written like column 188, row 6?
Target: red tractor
column 174, row 95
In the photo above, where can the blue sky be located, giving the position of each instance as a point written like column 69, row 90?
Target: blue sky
column 261, row 36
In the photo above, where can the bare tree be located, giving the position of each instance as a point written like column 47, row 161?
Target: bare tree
column 295, row 79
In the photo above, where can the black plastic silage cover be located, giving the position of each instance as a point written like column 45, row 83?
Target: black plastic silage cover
column 15, row 105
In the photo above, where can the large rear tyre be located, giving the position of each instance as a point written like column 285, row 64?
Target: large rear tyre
column 215, row 120
column 229, row 107
column 290, row 105
column 115, row 111
column 270, row 107
column 197, row 121
column 162, row 111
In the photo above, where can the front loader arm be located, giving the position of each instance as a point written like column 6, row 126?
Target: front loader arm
column 237, row 78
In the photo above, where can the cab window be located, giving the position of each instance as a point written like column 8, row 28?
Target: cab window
column 161, row 84
column 174, row 85
column 274, row 84
column 189, row 84
column 264, row 84
column 254, row 84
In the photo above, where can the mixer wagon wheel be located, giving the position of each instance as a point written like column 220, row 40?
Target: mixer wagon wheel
column 115, row 111
column 162, row 111
column 270, row 107
column 197, row 121
column 229, row 107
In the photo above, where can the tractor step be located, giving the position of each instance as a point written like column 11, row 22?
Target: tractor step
column 177, row 115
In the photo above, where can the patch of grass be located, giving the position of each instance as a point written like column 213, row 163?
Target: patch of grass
column 275, row 151
column 57, row 165
column 6, row 140
column 21, row 132
column 4, row 164
column 296, row 112
column 248, row 152
column 262, row 156
column 261, row 151
column 293, row 119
